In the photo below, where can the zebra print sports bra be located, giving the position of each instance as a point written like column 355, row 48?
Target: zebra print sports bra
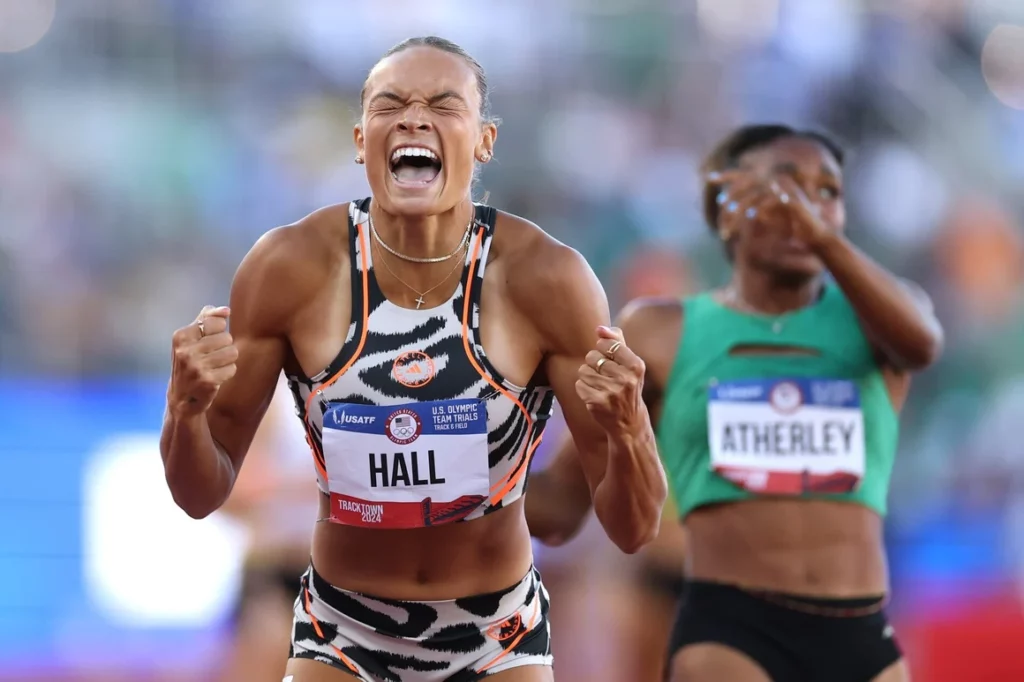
column 410, row 425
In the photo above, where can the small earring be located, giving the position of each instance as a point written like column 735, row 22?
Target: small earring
column 485, row 157
column 359, row 159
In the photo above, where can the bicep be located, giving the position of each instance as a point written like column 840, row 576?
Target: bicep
column 590, row 440
column 257, row 328
column 573, row 324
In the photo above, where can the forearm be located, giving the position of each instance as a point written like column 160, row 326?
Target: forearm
column 891, row 316
column 198, row 472
column 629, row 499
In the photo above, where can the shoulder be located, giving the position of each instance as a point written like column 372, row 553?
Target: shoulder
column 549, row 281
column 284, row 257
column 544, row 268
column 653, row 329
column 650, row 313
column 651, row 321
column 287, row 264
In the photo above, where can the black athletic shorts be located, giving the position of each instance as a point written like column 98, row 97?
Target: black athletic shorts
column 790, row 637
column 669, row 585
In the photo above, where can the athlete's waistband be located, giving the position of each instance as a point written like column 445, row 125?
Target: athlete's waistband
column 404, row 619
column 846, row 607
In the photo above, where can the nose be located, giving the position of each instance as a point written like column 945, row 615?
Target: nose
column 415, row 121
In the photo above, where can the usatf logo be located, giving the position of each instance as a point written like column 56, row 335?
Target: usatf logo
column 341, row 418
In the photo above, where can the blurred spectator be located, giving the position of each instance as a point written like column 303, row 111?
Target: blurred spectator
column 145, row 146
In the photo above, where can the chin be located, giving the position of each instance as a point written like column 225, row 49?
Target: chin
column 796, row 270
column 413, row 207
column 419, row 200
column 408, row 202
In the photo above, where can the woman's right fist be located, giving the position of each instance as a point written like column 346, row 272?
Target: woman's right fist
column 204, row 356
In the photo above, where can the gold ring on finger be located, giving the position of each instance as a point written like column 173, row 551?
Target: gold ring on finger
column 615, row 346
column 600, row 364
column 202, row 328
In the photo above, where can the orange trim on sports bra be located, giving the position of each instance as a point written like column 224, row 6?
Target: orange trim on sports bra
column 515, row 472
column 318, row 456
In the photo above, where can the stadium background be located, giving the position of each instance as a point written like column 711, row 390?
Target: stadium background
column 146, row 144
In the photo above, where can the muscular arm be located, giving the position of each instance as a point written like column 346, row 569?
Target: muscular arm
column 202, row 453
column 559, row 499
column 896, row 315
column 621, row 465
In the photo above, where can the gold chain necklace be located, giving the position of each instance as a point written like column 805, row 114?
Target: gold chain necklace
column 421, row 294
column 733, row 297
column 416, row 259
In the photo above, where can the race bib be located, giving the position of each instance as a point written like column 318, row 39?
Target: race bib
column 787, row 436
column 406, row 466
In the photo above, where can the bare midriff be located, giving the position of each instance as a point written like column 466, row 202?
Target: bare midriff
column 436, row 563
column 812, row 548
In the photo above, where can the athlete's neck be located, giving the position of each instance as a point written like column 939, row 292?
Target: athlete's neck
column 768, row 293
column 423, row 236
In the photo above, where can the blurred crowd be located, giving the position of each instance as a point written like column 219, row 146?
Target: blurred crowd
column 146, row 144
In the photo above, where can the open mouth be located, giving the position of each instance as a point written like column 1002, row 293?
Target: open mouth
column 415, row 165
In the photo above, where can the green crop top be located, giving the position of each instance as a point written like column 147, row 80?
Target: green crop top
column 819, row 425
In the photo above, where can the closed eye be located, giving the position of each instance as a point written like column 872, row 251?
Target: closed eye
column 448, row 111
column 386, row 101
column 385, row 106
column 448, row 98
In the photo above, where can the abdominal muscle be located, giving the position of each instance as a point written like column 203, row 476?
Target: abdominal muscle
column 449, row 561
column 813, row 548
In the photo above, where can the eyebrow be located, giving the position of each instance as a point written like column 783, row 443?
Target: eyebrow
column 447, row 94
column 440, row 97
column 828, row 172
column 790, row 168
column 386, row 95
column 787, row 168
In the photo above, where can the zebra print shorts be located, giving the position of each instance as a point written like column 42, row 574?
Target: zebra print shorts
column 387, row 640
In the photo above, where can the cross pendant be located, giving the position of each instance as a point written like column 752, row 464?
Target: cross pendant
column 419, row 302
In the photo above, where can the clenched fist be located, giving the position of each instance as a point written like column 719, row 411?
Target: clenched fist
column 204, row 357
column 611, row 384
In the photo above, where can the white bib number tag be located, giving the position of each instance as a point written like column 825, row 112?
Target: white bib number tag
column 406, row 466
column 787, row 436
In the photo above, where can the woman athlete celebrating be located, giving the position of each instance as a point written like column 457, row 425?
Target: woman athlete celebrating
column 776, row 401
column 423, row 424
